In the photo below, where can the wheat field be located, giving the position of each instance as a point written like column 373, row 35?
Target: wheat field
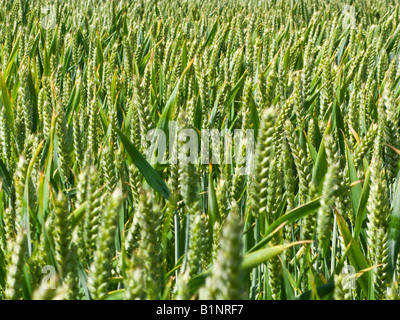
column 307, row 207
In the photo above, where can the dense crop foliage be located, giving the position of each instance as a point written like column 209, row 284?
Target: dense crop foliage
column 87, row 213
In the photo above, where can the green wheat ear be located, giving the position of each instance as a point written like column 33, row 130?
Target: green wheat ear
column 66, row 251
column 62, row 231
column 15, row 274
column 100, row 269
column 226, row 281
column 182, row 288
column 92, row 218
column 223, row 199
column 325, row 213
column 258, row 192
column 135, row 274
column 341, row 291
column 301, row 161
column 149, row 220
column 63, row 142
column 378, row 220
